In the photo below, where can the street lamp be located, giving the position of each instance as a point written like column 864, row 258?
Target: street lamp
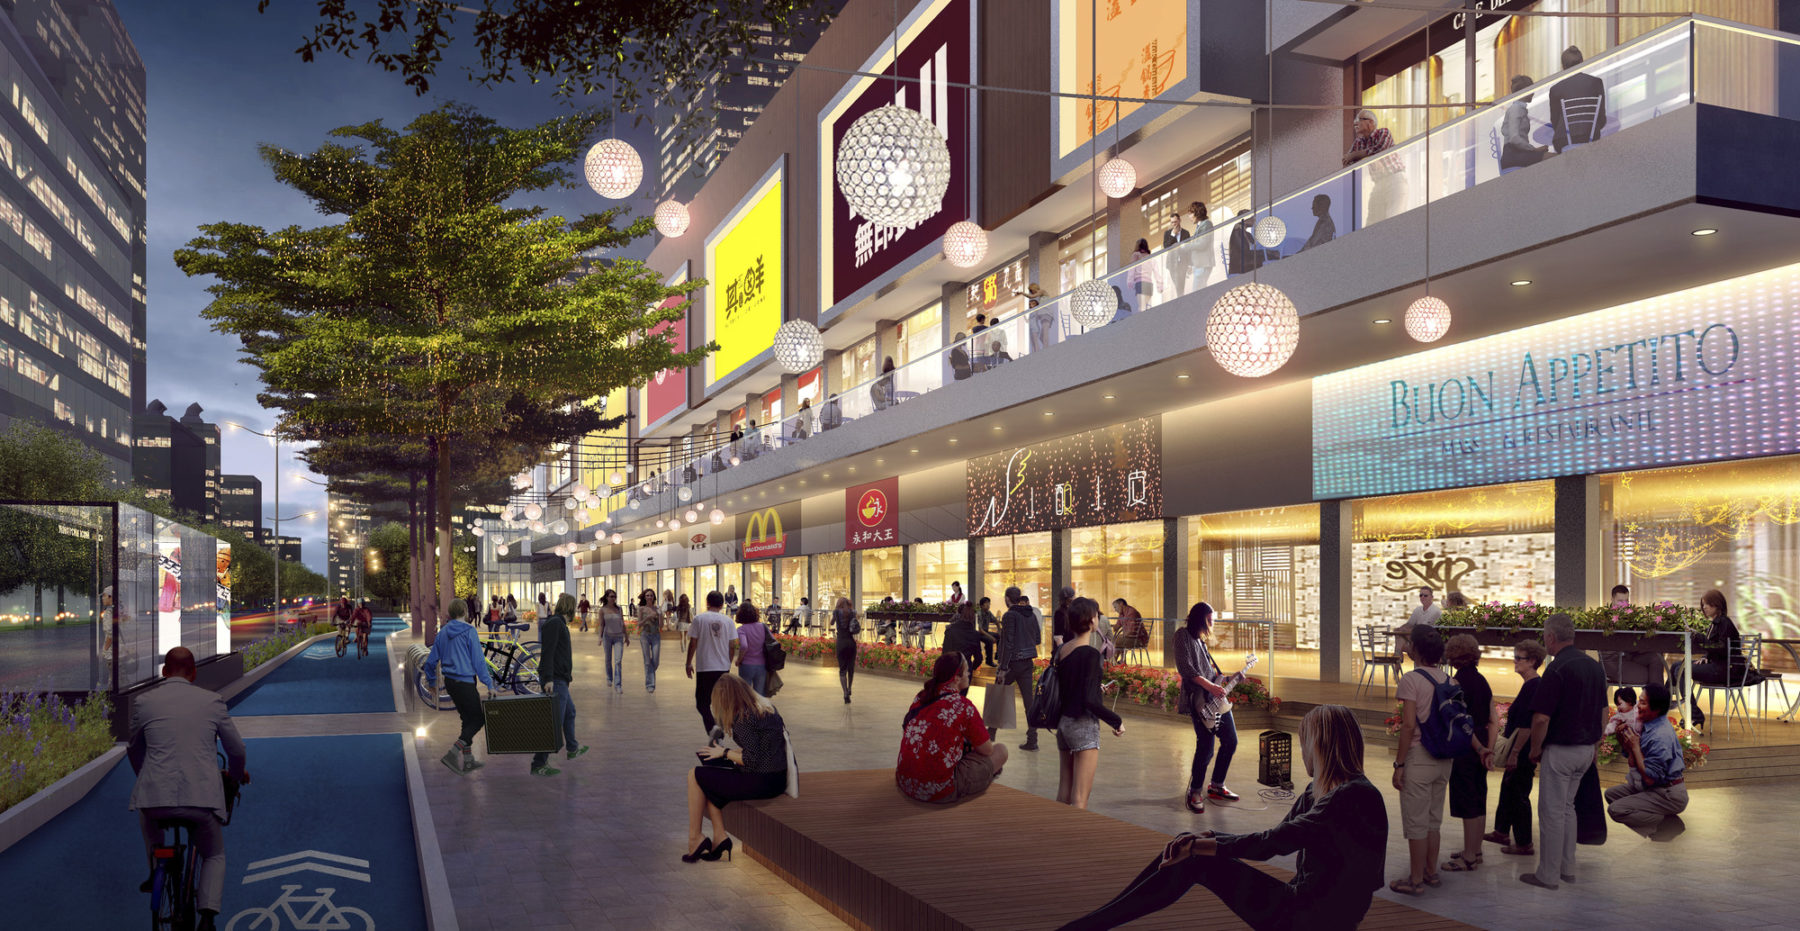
column 275, row 538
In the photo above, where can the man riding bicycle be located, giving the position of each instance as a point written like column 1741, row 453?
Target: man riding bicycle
column 174, row 729
column 344, row 614
column 363, row 620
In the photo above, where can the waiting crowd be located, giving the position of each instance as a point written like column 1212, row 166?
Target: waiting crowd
column 1451, row 736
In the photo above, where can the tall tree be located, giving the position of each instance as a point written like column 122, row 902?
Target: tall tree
column 436, row 311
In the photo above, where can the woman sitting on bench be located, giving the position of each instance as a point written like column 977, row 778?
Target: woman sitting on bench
column 1338, row 825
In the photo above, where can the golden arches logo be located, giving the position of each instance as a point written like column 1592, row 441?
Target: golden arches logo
column 758, row 541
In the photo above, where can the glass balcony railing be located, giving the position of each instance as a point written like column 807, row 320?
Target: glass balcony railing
column 1690, row 60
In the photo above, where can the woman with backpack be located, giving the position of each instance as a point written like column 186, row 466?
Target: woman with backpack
column 843, row 623
column 1421, row 776
column 1078, row 681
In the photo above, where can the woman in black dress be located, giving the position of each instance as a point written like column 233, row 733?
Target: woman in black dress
column 758, row 769
column 1338, row 826
column 1725, row 661
column 843, row 624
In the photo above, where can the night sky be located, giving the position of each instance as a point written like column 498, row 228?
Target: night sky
column 223, row 79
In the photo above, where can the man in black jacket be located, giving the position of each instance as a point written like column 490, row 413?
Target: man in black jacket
column 962, row 637
column 556, row 669
column 1582, row 91
column 1020, row 634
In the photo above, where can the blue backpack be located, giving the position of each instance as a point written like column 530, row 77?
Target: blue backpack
column 1449, row 731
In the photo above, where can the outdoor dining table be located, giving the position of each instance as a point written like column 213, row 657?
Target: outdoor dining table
column 1789, row 645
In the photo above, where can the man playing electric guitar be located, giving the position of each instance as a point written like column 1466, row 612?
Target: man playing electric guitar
column 1206, row 699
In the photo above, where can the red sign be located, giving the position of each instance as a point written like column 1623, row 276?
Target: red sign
column 872, row 515
column 666, row 392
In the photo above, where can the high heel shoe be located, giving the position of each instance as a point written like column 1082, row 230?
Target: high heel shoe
column 699, row 852
column 722, row 850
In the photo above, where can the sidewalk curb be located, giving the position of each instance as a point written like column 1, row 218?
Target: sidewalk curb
column 440, row 906
column 17, row 822
column 256, row 675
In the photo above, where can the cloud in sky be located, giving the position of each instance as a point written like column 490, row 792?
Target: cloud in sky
column 222, row 79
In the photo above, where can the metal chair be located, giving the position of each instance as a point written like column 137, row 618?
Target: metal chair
column 1580, row 116
column 1375, row 657
column 1738, row 681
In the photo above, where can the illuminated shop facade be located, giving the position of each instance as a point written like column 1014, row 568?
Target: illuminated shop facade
column 1611, row 404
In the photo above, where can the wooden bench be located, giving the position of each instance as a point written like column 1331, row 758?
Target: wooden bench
column 1006, row 860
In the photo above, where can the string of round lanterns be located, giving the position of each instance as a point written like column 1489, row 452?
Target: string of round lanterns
column 672, row 218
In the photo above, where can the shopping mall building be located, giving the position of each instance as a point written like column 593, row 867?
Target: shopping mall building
column 1612, row 401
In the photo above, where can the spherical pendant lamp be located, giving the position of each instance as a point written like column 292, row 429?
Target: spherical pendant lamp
column 798, row 346
column 1118, row 178
column 660, row 523
column 501, row 549
column 615, row 479
column 1093, row 303
column 618, row 538
column 632, row 504
column 717, row 516
column 581, row 517
column 537, row 526
column 685, row 493
column 1428, row 319
column 671, row 218
column 579, row 490
column 533, row 511
column 691, row 516
column 1252, row 330
column 965, row 244
column 674, row 524
column 613, row 168
column 593, row 502
column 570, row 504
column 522, row 480
column 1271, row 232
column 560, row 527
column 478, row 530
column 893, row 167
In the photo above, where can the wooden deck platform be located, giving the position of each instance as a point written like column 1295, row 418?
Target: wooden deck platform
column 1006, row 861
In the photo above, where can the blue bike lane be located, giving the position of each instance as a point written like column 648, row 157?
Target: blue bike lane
column 323, row 837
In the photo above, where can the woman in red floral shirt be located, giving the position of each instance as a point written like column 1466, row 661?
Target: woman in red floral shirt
column 945, row 752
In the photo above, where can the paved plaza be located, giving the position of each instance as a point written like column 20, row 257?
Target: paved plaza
column 597, row 847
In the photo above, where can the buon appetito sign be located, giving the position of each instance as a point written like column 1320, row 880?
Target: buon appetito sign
column 1702, row 374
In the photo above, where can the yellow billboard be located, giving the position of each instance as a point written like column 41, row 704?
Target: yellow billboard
column 744, row 281
column 1141, row 47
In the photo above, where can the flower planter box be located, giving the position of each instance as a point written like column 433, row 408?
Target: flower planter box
column 904, row 616
column 1620, row 641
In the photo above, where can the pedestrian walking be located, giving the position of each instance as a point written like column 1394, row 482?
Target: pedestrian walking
column 458, row 650
column 1083, row 709
column 752, row 635
column 649, row 629
column 556, row 668
column 613, row 639
column 709, row 652
column 583, row 608
column 843, row 623
column 1021, row 630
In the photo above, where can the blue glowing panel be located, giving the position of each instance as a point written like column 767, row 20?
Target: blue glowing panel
column 1689, row 376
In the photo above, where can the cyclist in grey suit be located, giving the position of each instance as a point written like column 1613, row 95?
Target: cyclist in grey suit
column 174, row 727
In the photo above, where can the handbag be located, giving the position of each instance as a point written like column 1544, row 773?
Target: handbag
column 793, row 765
column 997, row 708
column 1503, row 748
column 774, row 655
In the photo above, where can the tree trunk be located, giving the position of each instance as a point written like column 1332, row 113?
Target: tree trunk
column 412, row 556
column 427, row 562
column 446, row 560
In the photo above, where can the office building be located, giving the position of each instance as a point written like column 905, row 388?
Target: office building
column 178, row 460
column 692, row 140
column 240, row 504
column 290, row 549
column 346, row 535
column 72, row 246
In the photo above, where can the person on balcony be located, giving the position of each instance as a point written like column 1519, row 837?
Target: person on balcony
column 960, row 365
column 1142, row 279
column 881, row 391
column 1242, row 252
column 1577, row 105
column 1516, row 147
column 1386, row 191
column 1181, row 260
column 1205, row 248
column 1324, row 229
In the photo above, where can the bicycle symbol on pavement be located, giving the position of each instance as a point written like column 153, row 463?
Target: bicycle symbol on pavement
column 316, row 912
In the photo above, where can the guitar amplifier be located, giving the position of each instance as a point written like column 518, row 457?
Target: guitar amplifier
column 1274, row 764
column 522, row 724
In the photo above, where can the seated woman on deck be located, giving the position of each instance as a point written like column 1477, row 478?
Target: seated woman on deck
column 1338, row 825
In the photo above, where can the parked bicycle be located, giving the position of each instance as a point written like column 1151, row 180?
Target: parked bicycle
column 174, row 883
column 512, row 664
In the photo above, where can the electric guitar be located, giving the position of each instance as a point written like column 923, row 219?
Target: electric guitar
column 1213, row 707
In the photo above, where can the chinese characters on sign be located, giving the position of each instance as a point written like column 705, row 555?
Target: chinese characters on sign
column 1103, row 476
column 744, row 261
column 935, row 60
column 744, row 291
column 872, row 514
column 998, row 287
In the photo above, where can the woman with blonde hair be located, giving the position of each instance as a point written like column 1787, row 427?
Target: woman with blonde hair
column 1338, row 826
column 759, row 770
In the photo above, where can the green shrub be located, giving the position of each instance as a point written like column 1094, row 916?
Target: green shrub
column 274, row 645
column 45, row 738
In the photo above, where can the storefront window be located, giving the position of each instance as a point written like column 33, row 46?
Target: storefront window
column 794, row 582
column 731, row 576
column 1672, row 534
column 916, row 337
column 936, row 565
column 856, row 365
column 882, row 574
column 1261, row 565
column 1119, row 561
column 706, row 581
column 1081, row 255
column 1022, row 560
column 832, row 580
column 759, row 582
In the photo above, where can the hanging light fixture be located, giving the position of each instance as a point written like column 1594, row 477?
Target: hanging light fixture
column 685, row 494
column 798, row 346
column 1118, row 178
column 579, row 490
column 1093, row 303
column 632, row 504
column 478, row 530
column 965, row 244
column 1252, row 330
column 618, row 538
column 614, row 169
column 501, row 549
column 581, row 516
column 537, row 526
column 691, row 516
column 1428, row 319
column 560, row 527
column 893, row 167
column 570, row 504
column 671, row 218
column 522, row 480
column 593, row 502
column 674, row 524
column 533, row 511
column 615, row 479
column 1271, row 232
column 660, row 523
column 717, row 516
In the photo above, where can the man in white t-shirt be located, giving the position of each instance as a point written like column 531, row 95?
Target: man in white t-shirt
column 711, row 644
column 1427, row 614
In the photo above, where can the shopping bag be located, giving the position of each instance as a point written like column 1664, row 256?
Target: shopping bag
column 997, row 710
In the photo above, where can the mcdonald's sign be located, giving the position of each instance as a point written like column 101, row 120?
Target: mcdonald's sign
column 765, row 535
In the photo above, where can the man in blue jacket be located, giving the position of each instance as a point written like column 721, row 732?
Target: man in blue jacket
column 458, row 648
